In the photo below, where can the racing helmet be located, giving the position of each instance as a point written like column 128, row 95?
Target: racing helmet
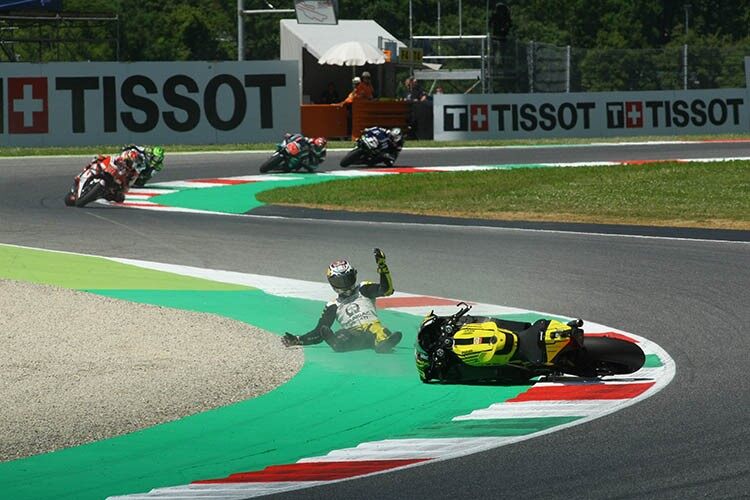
column 395, row 134
column 155, row 157
column 319, row 143
column 123, row 161
column 342, row 277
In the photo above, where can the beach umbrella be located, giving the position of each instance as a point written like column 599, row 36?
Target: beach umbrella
column 352, row 54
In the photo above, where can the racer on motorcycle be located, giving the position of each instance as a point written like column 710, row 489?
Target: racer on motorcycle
column 126, row 172
column 312, row 151
column 354, row 308
column 390, row 142
column 146, row 160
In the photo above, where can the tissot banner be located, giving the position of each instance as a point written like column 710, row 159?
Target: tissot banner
column 66, row 104
column 518, row 116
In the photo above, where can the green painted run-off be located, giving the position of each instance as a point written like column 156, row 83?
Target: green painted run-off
column 335, row 401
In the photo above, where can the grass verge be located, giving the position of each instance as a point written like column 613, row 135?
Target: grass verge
column 715, row 195
column 265, row 146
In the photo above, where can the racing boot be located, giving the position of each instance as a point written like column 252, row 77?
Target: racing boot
column 389, row 160
column 70, row 199
column 388, row 343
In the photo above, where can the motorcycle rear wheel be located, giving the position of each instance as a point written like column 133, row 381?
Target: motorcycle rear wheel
column 272, row 163
column 352, row 157
column 93, row 193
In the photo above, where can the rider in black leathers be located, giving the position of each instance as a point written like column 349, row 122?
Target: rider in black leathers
column 390, row 142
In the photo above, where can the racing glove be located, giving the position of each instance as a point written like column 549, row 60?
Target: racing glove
column 380, row 260
column 290, row 340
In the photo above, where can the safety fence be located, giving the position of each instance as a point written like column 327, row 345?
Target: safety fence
column 522, row 67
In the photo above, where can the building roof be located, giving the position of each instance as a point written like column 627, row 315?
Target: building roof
column 317, row 38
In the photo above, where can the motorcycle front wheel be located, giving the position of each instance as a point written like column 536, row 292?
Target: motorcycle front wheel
column 91, row 193
column 272, row 163
column 352, row 157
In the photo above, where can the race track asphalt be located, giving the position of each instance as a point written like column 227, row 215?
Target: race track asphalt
column 691, row 296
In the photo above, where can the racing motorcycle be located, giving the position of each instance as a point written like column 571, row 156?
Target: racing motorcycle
column 370, row 149
column 475, row 349
column 289, row 155
column 104, row 177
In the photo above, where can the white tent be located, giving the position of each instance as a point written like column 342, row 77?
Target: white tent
column 306, row 43
column 317, row 38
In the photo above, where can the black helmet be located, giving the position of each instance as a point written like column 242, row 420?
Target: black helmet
column 342, row 277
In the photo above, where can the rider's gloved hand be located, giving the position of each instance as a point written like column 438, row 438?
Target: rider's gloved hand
column 379, row 258
column 290, row 340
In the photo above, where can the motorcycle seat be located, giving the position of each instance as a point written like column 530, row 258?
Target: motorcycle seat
column 530, row 348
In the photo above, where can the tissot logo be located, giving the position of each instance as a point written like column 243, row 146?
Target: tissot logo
column 455, row 118
column 674, row 113
column 109, row 103
column 627, row 114
column 480, row 120
column 634, row 114
column 27, row 106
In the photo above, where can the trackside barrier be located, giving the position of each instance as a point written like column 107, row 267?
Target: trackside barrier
column 67, row 104
column 601, row 114
column 336, row 120
column 379, row 113
column 327, row 120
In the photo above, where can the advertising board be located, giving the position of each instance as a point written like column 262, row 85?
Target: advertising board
column 68, row 104
column 604, row 114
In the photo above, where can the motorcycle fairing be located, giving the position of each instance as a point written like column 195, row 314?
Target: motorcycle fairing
column 557, row 336
column 543, row 341
column 484, row 344
column 82, row 180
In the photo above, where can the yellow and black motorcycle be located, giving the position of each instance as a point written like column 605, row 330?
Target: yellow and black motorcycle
column 464, row 348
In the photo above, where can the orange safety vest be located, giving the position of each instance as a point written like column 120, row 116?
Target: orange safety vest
column 362, row 91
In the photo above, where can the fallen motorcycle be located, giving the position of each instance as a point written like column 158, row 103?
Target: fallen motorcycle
column 103, row 177
column 475, row 349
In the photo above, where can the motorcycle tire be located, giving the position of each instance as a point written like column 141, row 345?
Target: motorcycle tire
column 352, row 157
column 609, row 356
column 93, row 193
column 272, row 163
